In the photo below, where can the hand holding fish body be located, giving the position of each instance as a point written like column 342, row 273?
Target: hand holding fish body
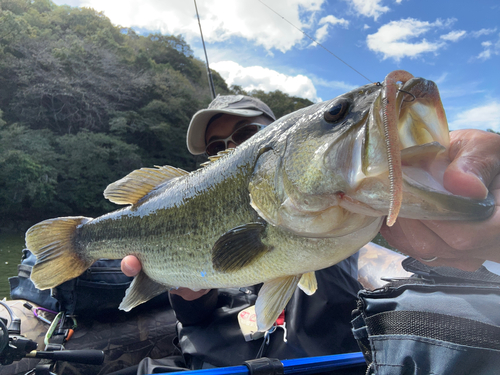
column 301, row 195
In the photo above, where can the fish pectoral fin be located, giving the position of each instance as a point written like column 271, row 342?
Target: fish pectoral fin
column 308, row 283
column 141, row 290
column 57, row 258
column 272, row 299
column 239, row 247
column 137, row 184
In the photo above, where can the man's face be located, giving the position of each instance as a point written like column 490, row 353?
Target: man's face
column 224, row 126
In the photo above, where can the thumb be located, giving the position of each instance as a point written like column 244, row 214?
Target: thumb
column 459, row 179
column 131, row 266
column 475, row 161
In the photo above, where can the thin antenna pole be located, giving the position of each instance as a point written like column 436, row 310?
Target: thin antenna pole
column 209, row 73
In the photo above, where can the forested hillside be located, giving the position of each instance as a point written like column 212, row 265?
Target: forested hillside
column 84, row 102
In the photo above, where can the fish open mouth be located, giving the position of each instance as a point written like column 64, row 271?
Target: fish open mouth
column 423, row 134
column 415, row 129
column 417, row 140
column 409, row 116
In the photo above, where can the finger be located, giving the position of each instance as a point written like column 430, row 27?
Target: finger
column 446, row 256
column 466, row 236
column 475, row 162
column 130, row 265
column 413, row 238
column 477, row 239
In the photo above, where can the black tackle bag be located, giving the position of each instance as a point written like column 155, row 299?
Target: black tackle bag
column 440, row 321
column 100, row 288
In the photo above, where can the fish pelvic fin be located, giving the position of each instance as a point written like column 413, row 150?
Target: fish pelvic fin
column 141, row 290
column 57, row 259
column 137, row 184
column 308, row 283
column 239, row 247
column 272, row 299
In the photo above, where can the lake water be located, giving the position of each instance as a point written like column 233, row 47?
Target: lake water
column 11, row 251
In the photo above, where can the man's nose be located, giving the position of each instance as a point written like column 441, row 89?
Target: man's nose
column 231, row 144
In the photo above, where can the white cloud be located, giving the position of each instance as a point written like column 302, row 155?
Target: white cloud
column 333, row 21
column 334, row 85
column 395, row 39
column 328, row 21
column 478, row 33
column 220, row 19
column 490, row 49
column 260, row 78
column 369, row 8
column 483, row 117
column 441, row 79
column 454, row 36
column 462, row 89
column 321, row 34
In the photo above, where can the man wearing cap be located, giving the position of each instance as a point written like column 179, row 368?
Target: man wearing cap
column 227, row 122
column 208, row 332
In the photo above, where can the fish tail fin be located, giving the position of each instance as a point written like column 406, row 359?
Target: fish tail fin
column 53, row 243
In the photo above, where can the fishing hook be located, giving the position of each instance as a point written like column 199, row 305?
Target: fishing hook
column 409, row 93
column 406, row 92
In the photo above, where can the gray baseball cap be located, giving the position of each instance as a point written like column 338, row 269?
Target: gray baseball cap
column 238, row 105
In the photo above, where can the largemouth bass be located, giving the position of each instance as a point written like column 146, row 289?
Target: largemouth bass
column 303, row 194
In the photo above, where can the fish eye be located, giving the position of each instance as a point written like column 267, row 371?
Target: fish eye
column 337, row 112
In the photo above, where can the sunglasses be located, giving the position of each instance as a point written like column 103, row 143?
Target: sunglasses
column 239, row 136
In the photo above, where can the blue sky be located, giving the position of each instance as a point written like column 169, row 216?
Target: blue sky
column 455, row 43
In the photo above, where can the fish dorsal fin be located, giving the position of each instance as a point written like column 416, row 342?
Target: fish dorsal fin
column 134, row 186
column 272, row 299
column 308, row 283
column 141, row 290
column 214, row 158
column 239, row 247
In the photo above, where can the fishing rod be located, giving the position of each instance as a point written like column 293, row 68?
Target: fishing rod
column 274, row 366
column 209, row 73
column 315, row 41
column 15, row 347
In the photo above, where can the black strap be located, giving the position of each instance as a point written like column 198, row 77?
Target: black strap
column 265, row 366
column 461, row 331
column 481, row 275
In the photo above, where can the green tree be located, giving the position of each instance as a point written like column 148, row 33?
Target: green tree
column 71, row 86
column 91, row 162
column 85, row 102
column 281, row 103
column 27, row 174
